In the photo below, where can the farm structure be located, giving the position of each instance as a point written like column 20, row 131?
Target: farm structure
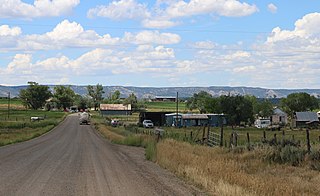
column 305, row 119
column 163, row 99
column 189, row 120
column 158, row 118
column 279, row 117
column 115, row 109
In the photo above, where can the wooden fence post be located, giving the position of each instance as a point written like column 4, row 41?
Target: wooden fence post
column 264, row 136
column 275, row 139
column 308, row 142
column 236, row 139
column 248, row 140
column 203, row 134
column 231, row 141
column 221, row 133
column 191, row 135
column 208, row 133
column 283, row 136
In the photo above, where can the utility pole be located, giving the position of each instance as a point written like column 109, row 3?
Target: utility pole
column 8, row 105
column 177, row 109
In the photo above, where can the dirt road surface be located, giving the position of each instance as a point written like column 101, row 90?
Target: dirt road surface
column 74, row 159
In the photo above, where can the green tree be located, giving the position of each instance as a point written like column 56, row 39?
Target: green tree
column 95, row 92
column 64, row 96
column 136, row 105
column 199, row 101
column 299, row 102
column 35, row 95
column 237, row 108
column 264, row 108
column 83, row 102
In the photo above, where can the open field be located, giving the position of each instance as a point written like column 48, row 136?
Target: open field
column 165, row 106
column 14, row 104
column 17, row 126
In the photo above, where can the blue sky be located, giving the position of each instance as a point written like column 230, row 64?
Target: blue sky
column 270, row 44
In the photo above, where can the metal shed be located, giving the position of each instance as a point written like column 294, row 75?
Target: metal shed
column 115, row 109
column 305, row 119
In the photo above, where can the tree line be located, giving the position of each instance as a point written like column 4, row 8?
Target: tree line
column 37, row 96
column 239, row 109
column 244, row 109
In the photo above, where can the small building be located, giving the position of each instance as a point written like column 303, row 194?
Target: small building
column 158, row 118
column 215, row 120
column 305, row 119
column 279, row 117
column 189, row 120
column 163, row 99
column 115, row 109
column 174, row 119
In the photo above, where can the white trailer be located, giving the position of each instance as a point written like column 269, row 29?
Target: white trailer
column 84, row 118
column 262, row 123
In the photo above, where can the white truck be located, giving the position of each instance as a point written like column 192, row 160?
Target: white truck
column 84, row 118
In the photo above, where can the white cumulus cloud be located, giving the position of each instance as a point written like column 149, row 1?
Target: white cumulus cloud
column 155, row 37
column 164, row 13
column 232, row 8
column 123, row 9
column 5, row 30
column 40, row 8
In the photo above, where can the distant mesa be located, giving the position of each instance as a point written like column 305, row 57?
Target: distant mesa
column 184, row 92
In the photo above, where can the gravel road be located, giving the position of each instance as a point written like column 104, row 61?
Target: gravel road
column 74, row 159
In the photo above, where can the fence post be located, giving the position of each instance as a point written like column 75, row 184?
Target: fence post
column 191, row 135
column 231, row 141
column 264, row 136
column 308, row 141
column 283, row 136
column 208, row 134
column 221, row 133
column 236, row 139
column 203, row 134
column 275, row 139
column 248, row 140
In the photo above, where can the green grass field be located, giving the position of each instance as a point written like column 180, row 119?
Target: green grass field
column 16, row 125
column 165, row 106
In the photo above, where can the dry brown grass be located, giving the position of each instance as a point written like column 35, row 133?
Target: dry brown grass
column 225, row 173
column 112, row 136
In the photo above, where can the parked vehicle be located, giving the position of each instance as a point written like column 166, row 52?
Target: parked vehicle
column 115, row 122
column 262, row 123
column 147, row 124
column 84, row 118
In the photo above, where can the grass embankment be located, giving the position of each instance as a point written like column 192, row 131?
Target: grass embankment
column 223, row 172
column 17, row 127
column 126, row 136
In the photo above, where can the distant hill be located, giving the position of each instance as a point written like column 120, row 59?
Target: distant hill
column 150, row 92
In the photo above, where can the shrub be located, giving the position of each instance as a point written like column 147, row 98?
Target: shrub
column 285, row 155
column 315, row 160
column 151, row 150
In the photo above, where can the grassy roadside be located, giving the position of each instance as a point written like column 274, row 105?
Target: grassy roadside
column 221, row 171
column 18, row 127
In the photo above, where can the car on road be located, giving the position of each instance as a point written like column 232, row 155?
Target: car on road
column 147, row 124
